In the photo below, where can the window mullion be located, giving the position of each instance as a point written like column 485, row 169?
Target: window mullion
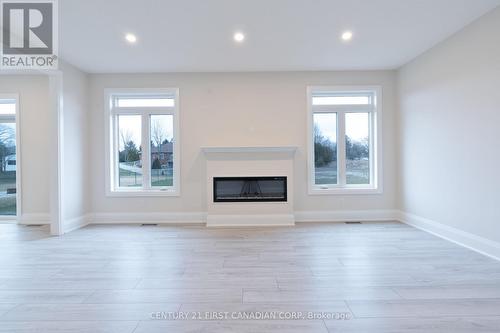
column 146, row 155
column 341, row 151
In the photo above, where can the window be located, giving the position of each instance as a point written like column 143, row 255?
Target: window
column 343, row 141
column 9, row 178
column 7, row 106
column 143, row 141
column 162, row 135
column 325, row 148
column 129, row 150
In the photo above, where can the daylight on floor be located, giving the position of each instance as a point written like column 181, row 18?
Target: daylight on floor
column 249, row 166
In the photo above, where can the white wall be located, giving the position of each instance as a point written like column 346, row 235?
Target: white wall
column 449, row 133
column 75, row 142
column 33, row 93
column 39, row 149
column 239, row 109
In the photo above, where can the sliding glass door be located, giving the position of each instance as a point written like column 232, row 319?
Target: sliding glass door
column 8, row 157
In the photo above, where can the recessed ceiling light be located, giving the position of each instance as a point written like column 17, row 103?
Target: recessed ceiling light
column 239, row 37
column 131, row 38
column 347, row 35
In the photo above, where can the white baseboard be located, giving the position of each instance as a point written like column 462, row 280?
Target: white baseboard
column 34, row 218
column 243, row 220
column 75, row 223
column 161, row 218
column 253, row 220
column 471, row 241
column 346, row 215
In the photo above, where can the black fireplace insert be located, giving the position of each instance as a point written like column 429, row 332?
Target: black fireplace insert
column 250, row 189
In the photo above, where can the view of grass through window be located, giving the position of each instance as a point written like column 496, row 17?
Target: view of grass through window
column 130, row 166
column 162, row 160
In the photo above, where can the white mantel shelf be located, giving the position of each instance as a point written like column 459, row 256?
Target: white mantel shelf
column 253, row 150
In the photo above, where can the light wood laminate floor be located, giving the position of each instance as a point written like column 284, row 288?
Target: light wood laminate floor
column 370, row 277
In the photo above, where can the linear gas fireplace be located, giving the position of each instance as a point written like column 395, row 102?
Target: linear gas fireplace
column 250, row 189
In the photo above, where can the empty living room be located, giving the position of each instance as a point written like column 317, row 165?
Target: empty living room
column 249, row 166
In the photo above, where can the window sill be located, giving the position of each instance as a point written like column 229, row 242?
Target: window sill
column 143, row 193
column 344, row 191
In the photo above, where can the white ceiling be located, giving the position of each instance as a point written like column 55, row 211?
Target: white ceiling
column 196, row 35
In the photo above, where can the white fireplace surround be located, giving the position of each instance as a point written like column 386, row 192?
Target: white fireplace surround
column 249, row 162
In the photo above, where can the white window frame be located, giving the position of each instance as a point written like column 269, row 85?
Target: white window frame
column 15, row 118
column 111, row 125
column 375, row 111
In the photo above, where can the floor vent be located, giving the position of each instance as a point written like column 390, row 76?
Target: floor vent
column 149, row 225
column 34, row 225
column 356, row 222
